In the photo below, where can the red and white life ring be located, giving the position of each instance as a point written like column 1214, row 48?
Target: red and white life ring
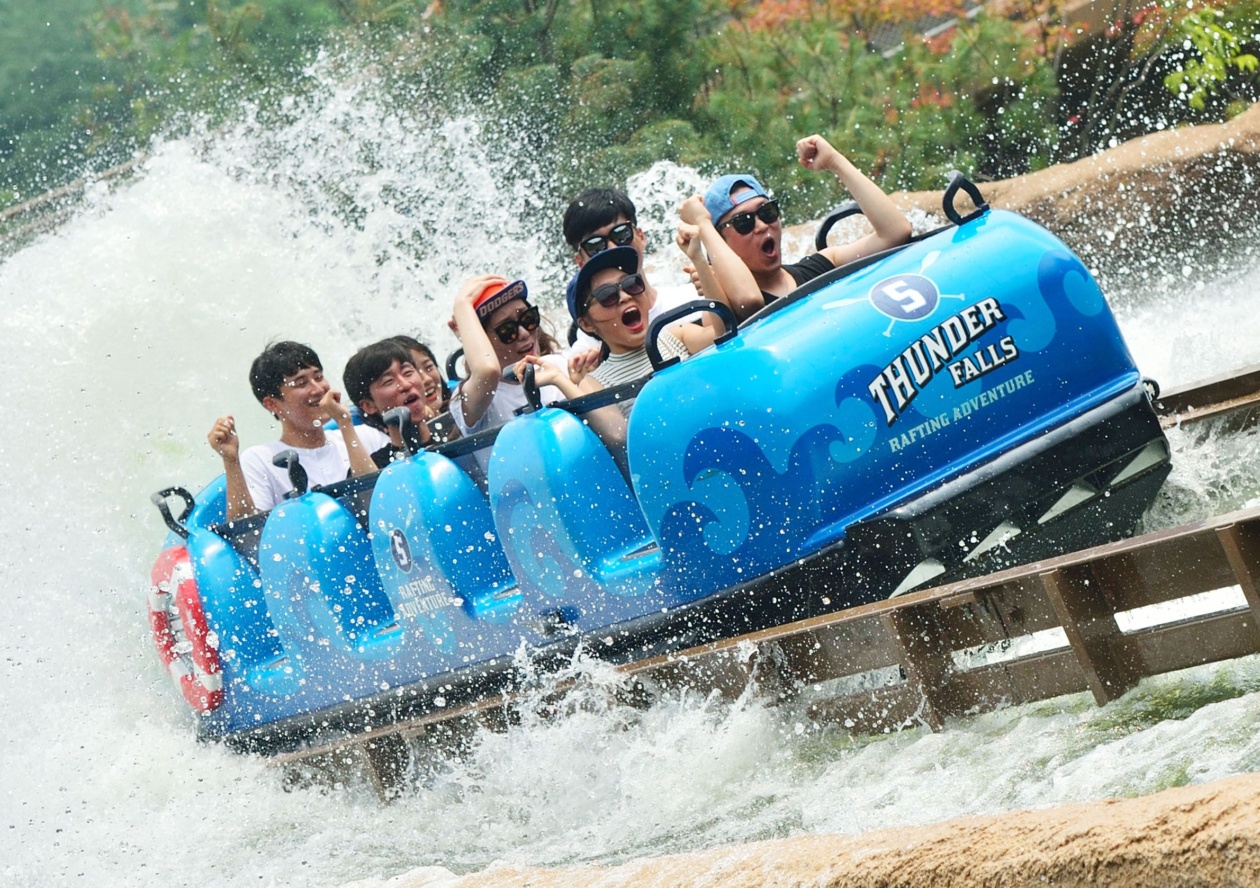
column 188, row 648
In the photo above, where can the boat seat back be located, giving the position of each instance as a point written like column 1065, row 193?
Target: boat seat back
column 434, row 541
column 233, row 601
column 320, row 582
column 866, row 393
column 571, row 528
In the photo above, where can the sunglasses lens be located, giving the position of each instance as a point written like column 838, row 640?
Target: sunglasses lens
column 607, row 295
column 743, row 223
column 622, row 234
column 509, row 330
column 633, row 284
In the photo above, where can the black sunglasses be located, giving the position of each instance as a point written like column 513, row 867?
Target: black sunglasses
column 510, row 329
column 620, row 235
column 743, row 223
column 610, row 294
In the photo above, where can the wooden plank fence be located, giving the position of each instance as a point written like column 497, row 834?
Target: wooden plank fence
column 1029, row 633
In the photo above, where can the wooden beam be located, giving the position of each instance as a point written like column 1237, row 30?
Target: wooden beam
column 1217, row 396
column 928, row 638
column 1241, row 545
column 924, row 660
column 385, row 761
column 1111, row 665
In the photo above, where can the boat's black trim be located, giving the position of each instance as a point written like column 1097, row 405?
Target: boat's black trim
column 241, row 531
column 468, row 444
column 176, row 525
column 676, row 314
column 603, row 397
column 844, row 211
column 959, row 182
column 826, row 280
column 452, row 364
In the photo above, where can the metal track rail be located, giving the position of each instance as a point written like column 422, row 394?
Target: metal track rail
column 1088, row 621
column 1097, row 620
column 1233, row 393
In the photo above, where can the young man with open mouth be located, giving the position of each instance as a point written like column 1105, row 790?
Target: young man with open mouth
column 749, row 221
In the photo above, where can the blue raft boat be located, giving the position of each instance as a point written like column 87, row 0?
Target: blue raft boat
column 955, row 406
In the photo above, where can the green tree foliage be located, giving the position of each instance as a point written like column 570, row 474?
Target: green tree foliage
column 1114, row 80
column 85, row 82
column 586, row 92
column 591, row 91
column 1214, row 48
column 49, row 73
column 977, row 99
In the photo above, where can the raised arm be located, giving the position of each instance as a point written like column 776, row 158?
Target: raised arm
column 891, row 227
column 477, row 391
column 224, row 441
column 723, row 276
column 360, row 459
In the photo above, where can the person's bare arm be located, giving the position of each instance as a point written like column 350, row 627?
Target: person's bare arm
column 696, row 336
column 360, row 460
column 582, row 363
column 723, row 276
column 477, row 391
column 891, row 227
column 607, row 422
column 224, row 441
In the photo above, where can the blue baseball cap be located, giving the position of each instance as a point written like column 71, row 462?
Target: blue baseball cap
column 625, row 258
column 718, row 201
column 570, row 294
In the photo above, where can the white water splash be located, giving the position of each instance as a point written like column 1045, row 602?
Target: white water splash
column 130, row 328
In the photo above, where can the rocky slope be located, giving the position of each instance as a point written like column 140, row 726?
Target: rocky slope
column 1193, row 836
column 1132, row 205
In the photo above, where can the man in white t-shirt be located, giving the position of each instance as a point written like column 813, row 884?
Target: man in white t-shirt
column 601, row 218
column 288, row 380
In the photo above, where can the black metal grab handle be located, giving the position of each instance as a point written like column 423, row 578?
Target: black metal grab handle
column 175, row 524
column 400, row 418
column 533, row 397
column 959, row 182
column 654, row 329
column 452, row 364
column 844, row 211
column 289, row 461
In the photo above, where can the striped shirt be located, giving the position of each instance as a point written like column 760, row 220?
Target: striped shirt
column 628, row 366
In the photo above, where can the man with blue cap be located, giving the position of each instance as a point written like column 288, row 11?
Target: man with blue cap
column 747, row 217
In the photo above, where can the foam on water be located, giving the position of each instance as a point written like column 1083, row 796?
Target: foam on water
column 128, row 330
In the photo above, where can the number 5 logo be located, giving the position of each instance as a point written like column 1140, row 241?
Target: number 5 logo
column 905, row 297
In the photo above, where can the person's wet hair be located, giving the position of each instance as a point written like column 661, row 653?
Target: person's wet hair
column 278, row 360
column 594, row 208
column 366, row 366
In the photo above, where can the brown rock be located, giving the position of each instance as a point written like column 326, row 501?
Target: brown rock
column 1193, row 836
column 1133, row 205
